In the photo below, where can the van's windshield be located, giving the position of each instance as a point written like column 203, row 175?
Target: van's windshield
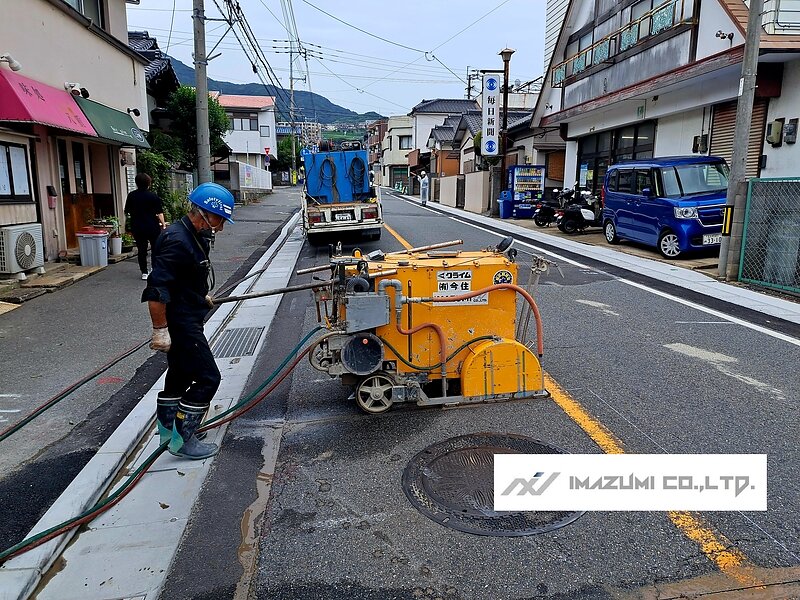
column 689, row 180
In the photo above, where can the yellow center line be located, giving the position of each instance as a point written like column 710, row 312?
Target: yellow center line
column 397, row 236
column 717, row 548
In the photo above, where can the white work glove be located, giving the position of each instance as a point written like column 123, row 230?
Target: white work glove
column 161, row 340
column 209, row 301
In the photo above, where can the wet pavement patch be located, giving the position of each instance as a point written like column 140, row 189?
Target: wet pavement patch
column 452, row 483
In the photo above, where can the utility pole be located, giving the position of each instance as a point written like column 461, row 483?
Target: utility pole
column 201, row 87
column 291, row 111
column 731, row 246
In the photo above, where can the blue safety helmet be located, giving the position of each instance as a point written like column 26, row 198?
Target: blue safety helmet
column 214, row 198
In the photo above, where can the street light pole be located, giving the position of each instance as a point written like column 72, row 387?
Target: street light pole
column 201, row 87
column 506, row 54
column 731, row 245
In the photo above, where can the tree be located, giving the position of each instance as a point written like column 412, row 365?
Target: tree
column 284, row 160
column 183, row 129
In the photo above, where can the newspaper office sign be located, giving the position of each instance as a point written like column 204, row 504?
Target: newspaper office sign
column 490, row 129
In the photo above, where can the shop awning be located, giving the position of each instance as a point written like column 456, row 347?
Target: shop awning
column 24, row 100
column 112, row 125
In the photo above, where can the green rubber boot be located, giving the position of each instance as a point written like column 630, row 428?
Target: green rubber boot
column 184, row 442
column 166, row 407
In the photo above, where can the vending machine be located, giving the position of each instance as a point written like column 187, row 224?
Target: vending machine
column 526, row 183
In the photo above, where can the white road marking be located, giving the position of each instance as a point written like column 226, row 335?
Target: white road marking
column 10, row 395
column 10, row 410
column 775, row 334
column 721, row 363
column 604, row 308
column 703, row 323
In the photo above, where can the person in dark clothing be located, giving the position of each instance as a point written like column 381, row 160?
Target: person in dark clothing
column 177, row 298
column 147, row 218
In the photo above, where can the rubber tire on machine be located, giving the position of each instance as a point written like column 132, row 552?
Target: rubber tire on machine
column 541, row 222
column 367, row 390
column 569, row 226
column 613, row 238
column 667, row 233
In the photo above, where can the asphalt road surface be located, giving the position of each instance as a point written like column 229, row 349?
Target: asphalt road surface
column 331, row 520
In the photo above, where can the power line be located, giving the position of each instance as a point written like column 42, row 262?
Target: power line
column 360, row 90
column 343, row 22
column 171, row 24
column 478, row 20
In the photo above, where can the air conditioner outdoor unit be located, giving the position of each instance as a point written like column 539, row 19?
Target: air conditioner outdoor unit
column 21, row 248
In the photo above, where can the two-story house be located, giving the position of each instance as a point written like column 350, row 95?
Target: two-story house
column 397, row 143
column 645, row 78
column 253, row 142
column 73, row 105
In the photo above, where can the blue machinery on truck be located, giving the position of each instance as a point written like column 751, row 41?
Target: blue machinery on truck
column 338, row 196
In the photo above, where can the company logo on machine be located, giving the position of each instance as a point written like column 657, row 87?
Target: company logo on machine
column 503, row 276
column 455, row 283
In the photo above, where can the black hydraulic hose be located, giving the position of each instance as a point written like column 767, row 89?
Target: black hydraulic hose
column 332, row 177
column 438, row 365
column 357, row 282
column 9, row 431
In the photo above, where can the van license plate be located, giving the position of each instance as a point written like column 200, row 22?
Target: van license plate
column 712, row 239
column 345, row 216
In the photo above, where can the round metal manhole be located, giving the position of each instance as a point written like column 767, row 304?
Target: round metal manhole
column 452, row 483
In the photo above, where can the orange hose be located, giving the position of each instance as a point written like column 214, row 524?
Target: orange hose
column 501, row 286
column 442, row 341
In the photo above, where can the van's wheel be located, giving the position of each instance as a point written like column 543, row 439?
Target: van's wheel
column 610, row 231
column 668, row 244
column 374, row 394
column 570, row 226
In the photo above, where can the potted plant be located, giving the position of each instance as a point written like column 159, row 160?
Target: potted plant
column 127, row 242
column 115, row 238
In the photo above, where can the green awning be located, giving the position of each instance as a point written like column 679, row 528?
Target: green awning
column 112, row 125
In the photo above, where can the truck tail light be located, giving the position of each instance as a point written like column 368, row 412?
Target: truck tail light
column 314, row 217
column 370, row 213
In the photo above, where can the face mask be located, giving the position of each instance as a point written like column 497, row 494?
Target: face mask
column 207, row 234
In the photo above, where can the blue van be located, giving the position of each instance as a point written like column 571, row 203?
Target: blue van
column 674, row 204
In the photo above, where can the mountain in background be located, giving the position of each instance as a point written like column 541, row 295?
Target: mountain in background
column 307, row 104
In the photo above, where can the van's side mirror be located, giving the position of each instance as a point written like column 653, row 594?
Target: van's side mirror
column 647, row 193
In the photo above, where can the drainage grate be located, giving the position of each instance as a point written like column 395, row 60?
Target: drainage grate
column 239, row 341
column 452, row 483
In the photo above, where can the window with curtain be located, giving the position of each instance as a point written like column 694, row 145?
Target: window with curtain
column 15, row 185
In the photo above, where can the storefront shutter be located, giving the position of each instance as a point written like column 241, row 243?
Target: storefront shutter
column 722, row 131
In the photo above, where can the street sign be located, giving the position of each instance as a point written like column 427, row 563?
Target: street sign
column 490, row 125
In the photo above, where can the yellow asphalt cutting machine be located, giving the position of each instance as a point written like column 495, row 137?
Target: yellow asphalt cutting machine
column 431, row 325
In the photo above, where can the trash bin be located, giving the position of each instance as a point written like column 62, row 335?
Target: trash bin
column 505, row 205
column 93, row 247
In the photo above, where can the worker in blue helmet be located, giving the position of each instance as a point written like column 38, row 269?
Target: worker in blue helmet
column 177, row 295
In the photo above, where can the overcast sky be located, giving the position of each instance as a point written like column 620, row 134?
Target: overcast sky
column 362, row 62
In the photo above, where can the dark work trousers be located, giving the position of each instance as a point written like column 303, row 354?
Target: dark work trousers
column 142, row 239
column 192, row 374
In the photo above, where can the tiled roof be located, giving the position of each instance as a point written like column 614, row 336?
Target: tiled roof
column 445, row 105
column 158, row 62
column 525, row 119
column 442, row 133
column 254, row 102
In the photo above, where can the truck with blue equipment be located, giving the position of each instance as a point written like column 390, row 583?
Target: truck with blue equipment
column 339, row 201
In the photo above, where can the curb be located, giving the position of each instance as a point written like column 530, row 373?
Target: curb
column 20, row 576
column 689, row 279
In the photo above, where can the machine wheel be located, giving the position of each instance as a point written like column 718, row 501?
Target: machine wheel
column 541, row 221
column 669, row 245
column 610, row 231
column 570, row 226
column 374, row 394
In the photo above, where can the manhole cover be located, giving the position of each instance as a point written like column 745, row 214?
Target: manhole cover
column 452, row 483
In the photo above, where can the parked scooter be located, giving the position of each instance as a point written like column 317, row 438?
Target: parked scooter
column 577, row 217
column 548, row 211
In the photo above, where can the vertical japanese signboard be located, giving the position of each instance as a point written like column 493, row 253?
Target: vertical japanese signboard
column 491, row 126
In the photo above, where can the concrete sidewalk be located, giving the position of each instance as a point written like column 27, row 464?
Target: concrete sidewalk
column 672, row 273
column 138, row 538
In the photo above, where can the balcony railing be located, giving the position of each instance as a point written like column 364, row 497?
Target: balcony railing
column 651, row 23
column 782, row 16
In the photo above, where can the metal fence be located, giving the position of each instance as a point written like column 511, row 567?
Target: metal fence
column 771, row 244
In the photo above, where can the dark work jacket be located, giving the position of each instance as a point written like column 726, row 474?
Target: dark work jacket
column 180, row 274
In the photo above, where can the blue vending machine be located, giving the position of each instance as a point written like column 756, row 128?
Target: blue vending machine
column 526, row 183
